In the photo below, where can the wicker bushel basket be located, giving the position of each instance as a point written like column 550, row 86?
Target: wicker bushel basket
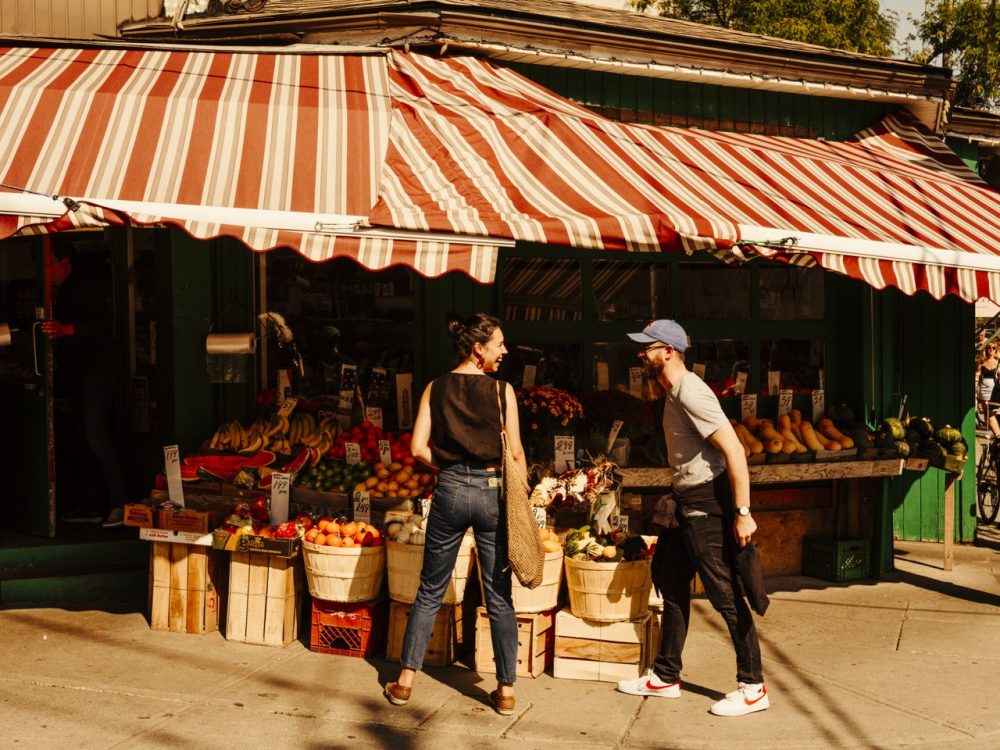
column 608, row 592
column 404, row 562
column 344, row 574
column 545, row 596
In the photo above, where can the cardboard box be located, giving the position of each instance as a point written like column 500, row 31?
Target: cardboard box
column 200, row 514
column 175, row 537
column 244, row 543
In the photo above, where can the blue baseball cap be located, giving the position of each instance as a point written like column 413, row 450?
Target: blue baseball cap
column 664, row 331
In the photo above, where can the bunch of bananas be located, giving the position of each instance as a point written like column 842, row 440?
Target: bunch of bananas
column 277, row 434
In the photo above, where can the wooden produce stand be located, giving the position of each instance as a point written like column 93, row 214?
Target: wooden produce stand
column 184, row 581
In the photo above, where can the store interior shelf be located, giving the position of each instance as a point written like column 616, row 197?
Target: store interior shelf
column 778, row 473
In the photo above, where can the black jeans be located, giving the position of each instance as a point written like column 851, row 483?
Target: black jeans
column 703, row 544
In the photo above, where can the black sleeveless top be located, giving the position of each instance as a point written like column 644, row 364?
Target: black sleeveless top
column 465, row 419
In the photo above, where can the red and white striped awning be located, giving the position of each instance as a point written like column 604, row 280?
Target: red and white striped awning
column 273, row 149
column 478, row 149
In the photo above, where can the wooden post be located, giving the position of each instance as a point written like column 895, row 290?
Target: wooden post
column 949, row 517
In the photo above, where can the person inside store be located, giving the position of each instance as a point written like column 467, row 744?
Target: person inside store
column 711, row 486
column 331, row 360
column 988, row 389
column 457, row 430
column 82, row 330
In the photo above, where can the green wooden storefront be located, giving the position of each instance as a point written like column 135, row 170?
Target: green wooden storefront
column 879, row 344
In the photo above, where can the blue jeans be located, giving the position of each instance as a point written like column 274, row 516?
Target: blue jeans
column 464, row 499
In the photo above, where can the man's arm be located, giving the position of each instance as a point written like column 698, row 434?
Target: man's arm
column 726, row 441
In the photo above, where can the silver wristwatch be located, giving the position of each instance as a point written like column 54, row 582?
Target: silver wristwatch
column 744, row 511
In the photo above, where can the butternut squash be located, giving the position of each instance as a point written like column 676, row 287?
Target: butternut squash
column 827, row 427
column 796, row 416
column 773, row 446
column 784, row 422
column 748, row 439
column 789, row 437
column 809, row 437
column 751, row 423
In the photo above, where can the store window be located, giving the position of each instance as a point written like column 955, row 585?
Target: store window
column 712, row 291
column 629, row 290
column 795, row 365
column 352, row 327
column 542, row 289
column 544, row 363
column 719, row 362
column 791, row 293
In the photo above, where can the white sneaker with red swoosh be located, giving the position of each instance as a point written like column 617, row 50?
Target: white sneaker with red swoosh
column 745, row 699
column 651, row 685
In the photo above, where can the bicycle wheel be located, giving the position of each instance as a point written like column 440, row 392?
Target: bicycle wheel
column 987, row 487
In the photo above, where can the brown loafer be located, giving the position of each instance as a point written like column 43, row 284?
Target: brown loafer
column 397, row 694
column 502, row 704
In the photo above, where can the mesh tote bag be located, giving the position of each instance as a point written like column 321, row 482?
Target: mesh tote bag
column 524, row 546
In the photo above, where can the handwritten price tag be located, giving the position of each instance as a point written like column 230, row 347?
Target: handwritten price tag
column 741, row 383
column 698, row 368
column 784, row 402
column 385, row 452
column 819, row 405
column 287, row 407
column 565, row 452
column 362, row 502
column 323, row 414
column 280, row 486
column 635, row 381
column 425, row 506
column 619, row 522
column 172, row 468
column 748, row 406
column 539, row 513
column 352, row 453
column 374, row 415
column 773, row 382
column 616, row 427
column 529, row 374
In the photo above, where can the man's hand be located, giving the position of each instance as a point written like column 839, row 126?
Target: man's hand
column 54, row 329
column 743, row 529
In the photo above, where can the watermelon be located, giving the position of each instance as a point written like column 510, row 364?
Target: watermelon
column 265, row 481
column 259, row 459
column 189, row 473
column 298, row 462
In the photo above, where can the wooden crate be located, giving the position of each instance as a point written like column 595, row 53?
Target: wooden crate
column 263, row 603
column 184, row 588
column 535, row 641
column 604, row 651
column 447, row 641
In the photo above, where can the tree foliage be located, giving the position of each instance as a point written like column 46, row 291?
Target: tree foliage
column 853, row 25
column 964, row 33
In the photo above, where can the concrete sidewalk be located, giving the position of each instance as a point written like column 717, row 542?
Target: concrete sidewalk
column 909, row 661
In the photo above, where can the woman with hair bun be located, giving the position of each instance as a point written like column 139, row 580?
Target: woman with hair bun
column 457, row 430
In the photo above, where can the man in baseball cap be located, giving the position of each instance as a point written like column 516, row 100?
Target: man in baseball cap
column 711, row 486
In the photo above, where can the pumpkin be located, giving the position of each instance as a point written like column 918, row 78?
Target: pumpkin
column 948, row 435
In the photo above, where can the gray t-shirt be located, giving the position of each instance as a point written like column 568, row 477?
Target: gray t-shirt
column 691, row 413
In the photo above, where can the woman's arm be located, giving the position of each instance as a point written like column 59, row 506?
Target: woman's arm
column 420, row 443
column 514, row 433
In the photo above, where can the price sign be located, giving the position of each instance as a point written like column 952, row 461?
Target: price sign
column 352, row 453
column 635, row 381
column 819, row 405
column 620, row 522
column 385, row 452
column 784, row 401
column 698, row 368
column 603, row 378
column 404, row 400
column 324, row 414
column 362, row 502
column 616, row 427
column 374, row 415
column 280, row 486
column 748, row 406
column 348, row 377
column 565, row 452
column 284, row 384
column 425, row 506
column 172, row 468
column 773, row 382
column 529, row 374
column 287, row 407
column 539, row 513
column 741, row 383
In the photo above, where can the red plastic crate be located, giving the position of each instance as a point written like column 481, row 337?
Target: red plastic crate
column 349, row 629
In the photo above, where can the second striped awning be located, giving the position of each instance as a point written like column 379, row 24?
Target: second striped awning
column 478, row 149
